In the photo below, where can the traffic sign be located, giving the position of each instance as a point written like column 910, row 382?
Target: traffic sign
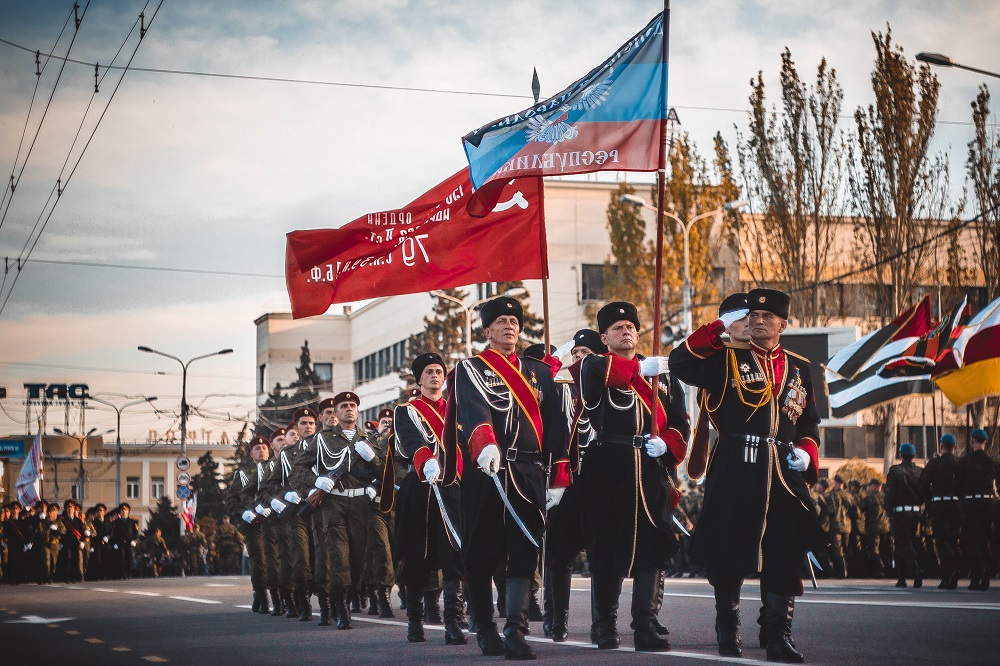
column 183, row 478
column 183, row 492
column 183, row 463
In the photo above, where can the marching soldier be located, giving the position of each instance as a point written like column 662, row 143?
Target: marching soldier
column 976, row 483
column 50, row 534
column 278, row 575
column 937, row 490
column 757, row 514
column 508, row 415
column 242, row 502
column 628, row 493
column 902, row 501
column 228, row 544
column 425, row 540
column 840, row 507
column 337, row 470
column 378, row 573
column 299, row 529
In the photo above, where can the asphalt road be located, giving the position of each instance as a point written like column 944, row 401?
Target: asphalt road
column 208, row 621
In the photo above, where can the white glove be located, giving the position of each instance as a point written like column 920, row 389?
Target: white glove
column 655, row 447
column 54, row 527
column 263, row 510
column 82, row 545
column 104, row 540
column 277, row 505
column 553, row 496
column 489, row 459
column 431, row 470
column 371, row 492
column 29, row 547
column 728, row 318
column 132, row 543
column 86, row 533
column 292, row 497
column 654, row 366
column 325, row 484
column 116, row 546
column 365, row 451
column 564, row 348
column 247, row 516
column 799, row 460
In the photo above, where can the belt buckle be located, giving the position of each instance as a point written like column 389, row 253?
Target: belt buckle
column 638, row 441
column 511, row 455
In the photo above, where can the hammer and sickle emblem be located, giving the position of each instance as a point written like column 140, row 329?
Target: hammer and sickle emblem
column 516, row 200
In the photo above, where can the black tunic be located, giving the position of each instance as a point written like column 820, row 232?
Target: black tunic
column 627, row 496
column 746, row 478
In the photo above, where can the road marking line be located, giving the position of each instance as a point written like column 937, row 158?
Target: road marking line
column 122, row 649
column 76, row 587
column 95, row 641
column 220, row 585
column 243, row 606
column 156, row 660
column 196, row 600
column 72, row 632
column 143, row 594
column 102, row 589
column 52, row 626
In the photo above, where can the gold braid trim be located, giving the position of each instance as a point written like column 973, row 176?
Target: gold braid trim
column 764, row 395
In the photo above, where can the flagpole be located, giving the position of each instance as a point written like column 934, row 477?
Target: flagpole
column 661, row 188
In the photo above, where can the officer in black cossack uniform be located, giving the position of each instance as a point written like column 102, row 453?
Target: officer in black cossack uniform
column 758, row 515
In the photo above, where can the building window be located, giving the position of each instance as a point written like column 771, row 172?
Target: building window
column 592, row 281
column 132, row 488
column 486, row 290
column 158, row 486
column 359, row 372
column 325, row 372
column 74, row 491
column 833, row 442
column 262, row 378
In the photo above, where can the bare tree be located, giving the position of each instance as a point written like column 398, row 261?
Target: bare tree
column 793, row 165
column 898, row 190
column 983, row 169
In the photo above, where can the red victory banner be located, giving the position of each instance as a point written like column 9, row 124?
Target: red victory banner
column 431, row 243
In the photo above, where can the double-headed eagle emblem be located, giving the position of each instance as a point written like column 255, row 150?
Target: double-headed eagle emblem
column 554, row 128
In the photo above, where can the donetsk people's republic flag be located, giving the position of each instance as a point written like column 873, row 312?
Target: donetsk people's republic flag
column 607, row 121
column 431, row 243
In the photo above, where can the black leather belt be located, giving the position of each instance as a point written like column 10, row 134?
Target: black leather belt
column 635, row 441
column 523, row 456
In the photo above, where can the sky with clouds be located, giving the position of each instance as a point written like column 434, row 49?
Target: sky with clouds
column 208, row 173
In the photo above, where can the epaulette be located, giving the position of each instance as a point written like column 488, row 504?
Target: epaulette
column 798, row 356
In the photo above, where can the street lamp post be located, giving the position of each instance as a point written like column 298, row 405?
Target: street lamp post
column 184, row 406
column 82, row 440
column 686, row 226
column 118, row 440
column 941, row 60
column 467, row 309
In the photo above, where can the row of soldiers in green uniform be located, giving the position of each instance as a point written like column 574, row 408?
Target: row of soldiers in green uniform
column 940, row 517
column 468, row 485
column 40, row 544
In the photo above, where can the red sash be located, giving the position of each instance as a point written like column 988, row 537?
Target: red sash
column 644, row 391
column 518, row 386
column 429, row 416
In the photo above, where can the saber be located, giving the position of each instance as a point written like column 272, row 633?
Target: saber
column 811, row 560
column 680, row 527
column 510, row 509
column 444, row 515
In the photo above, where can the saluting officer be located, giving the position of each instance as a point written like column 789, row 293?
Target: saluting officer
column 508, row 414
column 757, row 514
column 628, row 494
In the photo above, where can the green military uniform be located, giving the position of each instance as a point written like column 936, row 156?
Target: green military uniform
column 228, row 547
column 50, row 534
column 242, row 505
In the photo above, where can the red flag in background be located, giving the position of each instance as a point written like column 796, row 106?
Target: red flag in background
column 431, row 243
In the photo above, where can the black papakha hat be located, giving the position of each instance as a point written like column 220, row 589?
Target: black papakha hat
column 537, row 351
column 616, row 311
column 421, row 362
column 733, row 302
column 769, row 300
column 590, row 339
column 500, row 306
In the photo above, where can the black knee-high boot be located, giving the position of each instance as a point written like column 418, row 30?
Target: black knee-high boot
column 518, row 604
column 480, row 594
column 647, row 639
column 415, row 614
column 453, row 634
column 727, row 619
column 607, row 590
column 560, row 583
column 779, row 630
